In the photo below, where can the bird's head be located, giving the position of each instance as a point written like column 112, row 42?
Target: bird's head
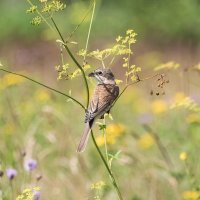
column 103, row 76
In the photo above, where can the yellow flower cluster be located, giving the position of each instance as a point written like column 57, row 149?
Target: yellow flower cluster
column 168, row 65
column 97, row 185
column 10, row 80
column 191, row 195
column 28, row 194
column 181, row 100
column 158, row 106
column 113, row 131
column 146, row 141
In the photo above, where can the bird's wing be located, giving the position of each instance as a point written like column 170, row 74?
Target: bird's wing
column 99, row 106
column 93, row 107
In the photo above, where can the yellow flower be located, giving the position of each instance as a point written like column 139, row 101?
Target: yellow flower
column 158, row 106
column 118, row 81
column 146, row 141
column 100, row 140
column 191, row 195
column 193, row 118
column 118, row 38
column 183, row 156
column 42, row 95
column 113, row 131
column 10, row 80
column 28, row 194
column 98, row 185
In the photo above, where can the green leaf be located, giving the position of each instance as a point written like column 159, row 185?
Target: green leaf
column 102, row 126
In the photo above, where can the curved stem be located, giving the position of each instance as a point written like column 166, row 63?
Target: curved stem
column 74, row 59
column 46, row 86
column 107, row 167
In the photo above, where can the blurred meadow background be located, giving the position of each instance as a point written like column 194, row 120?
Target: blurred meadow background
column 153, row 135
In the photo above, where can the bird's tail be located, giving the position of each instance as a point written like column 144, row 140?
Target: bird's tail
column 85, row 136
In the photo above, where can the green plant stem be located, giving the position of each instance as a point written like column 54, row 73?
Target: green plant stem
column 107, row 167
column 76, row 101
column 74, row 59
column 66, row 47
column 89, row 31
column 48, row 87
column 76, row 28
column 88, row 95
column 105, row 142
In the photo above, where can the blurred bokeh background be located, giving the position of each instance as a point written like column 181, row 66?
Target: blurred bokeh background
column 47, row 127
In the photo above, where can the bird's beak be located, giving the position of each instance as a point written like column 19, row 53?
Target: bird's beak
column 91, row 74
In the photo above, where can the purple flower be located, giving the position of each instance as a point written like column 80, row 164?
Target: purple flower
column 36, row 195
column 30, row 165
column 11, row 173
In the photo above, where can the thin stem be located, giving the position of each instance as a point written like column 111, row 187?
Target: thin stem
column 105, row 141
column 89, row 30
column 76, row 28
column 107, row 167
column 12, row 188
column 74, row 59
column 137, row 81
column 48, row 87
column 103, row 63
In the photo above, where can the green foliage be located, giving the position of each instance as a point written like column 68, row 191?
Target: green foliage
column 158, row 20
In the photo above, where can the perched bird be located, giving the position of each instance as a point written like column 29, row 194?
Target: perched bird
column 104, row 95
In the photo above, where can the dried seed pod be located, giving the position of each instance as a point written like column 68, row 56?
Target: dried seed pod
column 157, row 93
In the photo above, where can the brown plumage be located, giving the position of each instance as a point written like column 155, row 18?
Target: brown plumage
column 104, row 95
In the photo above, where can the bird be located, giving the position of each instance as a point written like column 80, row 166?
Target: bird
column 101, row 102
